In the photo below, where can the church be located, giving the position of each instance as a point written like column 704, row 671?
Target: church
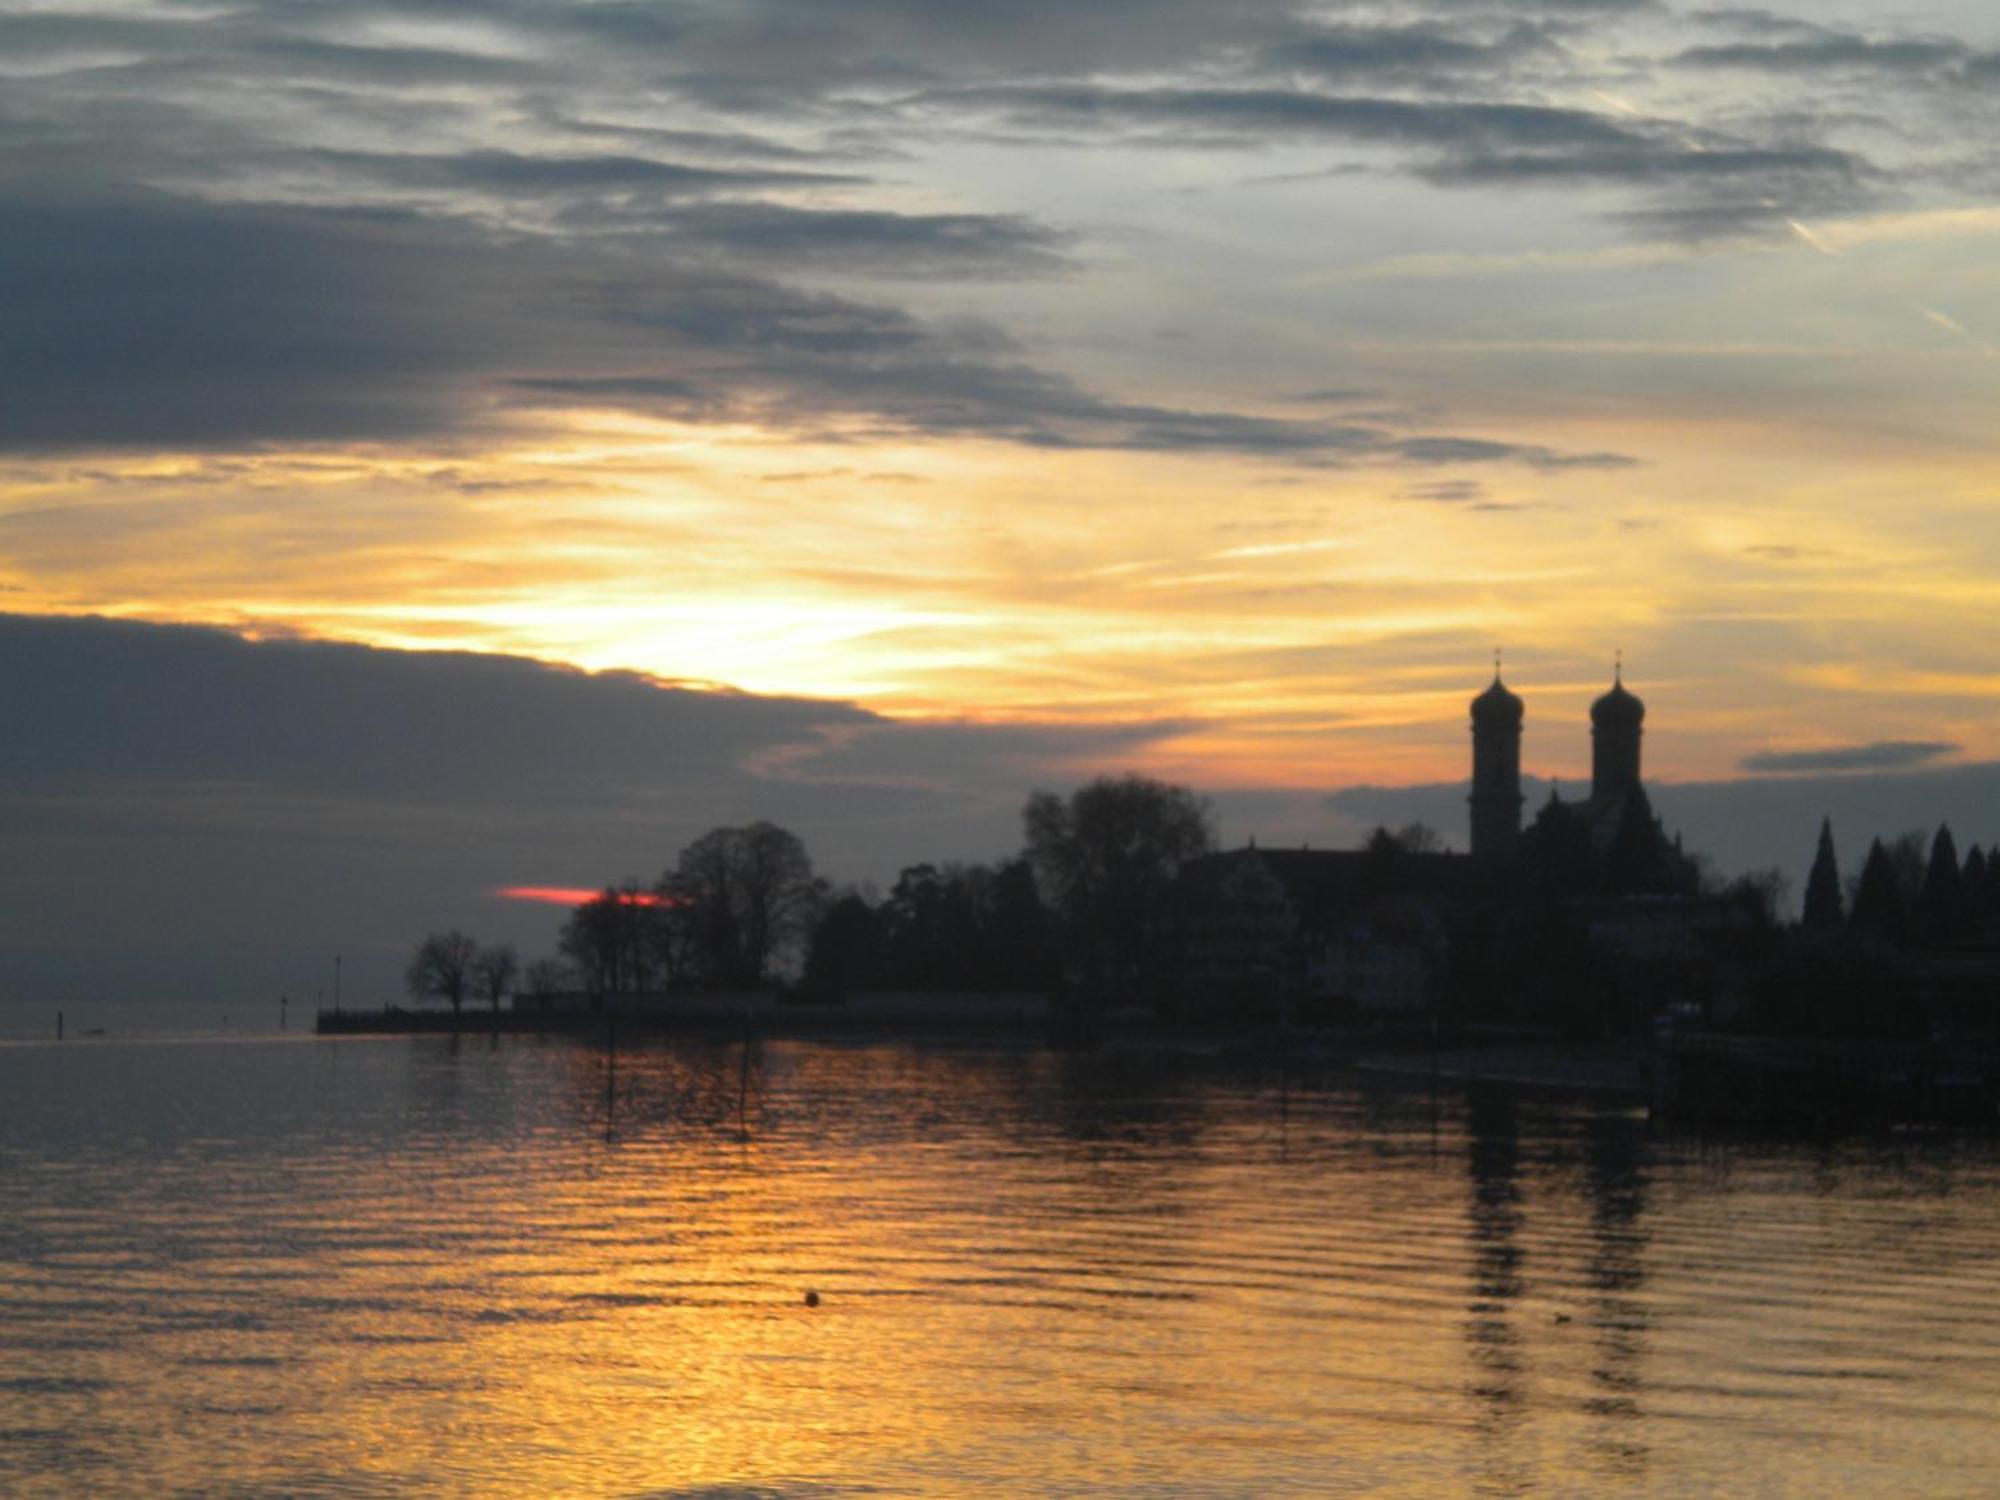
column 1369, row 934
column 1613, row 829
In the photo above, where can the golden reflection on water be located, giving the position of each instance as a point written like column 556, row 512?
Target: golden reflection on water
column 503, row 1268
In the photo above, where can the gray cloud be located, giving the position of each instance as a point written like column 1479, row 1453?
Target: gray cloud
column 1881, row 755
column 222, row 816
column 1447, row 491
column 889, row 246
column 156, row 320
column 149, row 319
column 1261, row 113
column 1422, row 52
column 509, row 173
column 626, row 202
column 114, row 701
column 1701, row 183
column 1824, row 52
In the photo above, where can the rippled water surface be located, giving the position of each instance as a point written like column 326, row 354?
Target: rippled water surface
column 374, row 1267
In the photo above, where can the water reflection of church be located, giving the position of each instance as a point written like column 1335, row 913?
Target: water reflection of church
column 1369, row 932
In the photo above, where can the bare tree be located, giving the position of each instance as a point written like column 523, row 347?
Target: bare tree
column 608, row 939
column 1105, row 858
column 544, row 979
column 1420, row 838
column 443, row 967
column 747, row 897
column 494, row 969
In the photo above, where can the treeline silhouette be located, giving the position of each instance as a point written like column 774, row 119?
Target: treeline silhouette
column 1085, row 900
column 941, row 927
column 1597, row 932
column 1907, row 948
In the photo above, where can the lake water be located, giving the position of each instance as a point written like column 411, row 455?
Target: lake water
column 361, row 1267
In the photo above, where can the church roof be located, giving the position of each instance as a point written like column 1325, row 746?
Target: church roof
column 1497, row 704
column 1618, row 706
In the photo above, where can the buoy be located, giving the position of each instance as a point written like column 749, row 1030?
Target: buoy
column 812, row 1299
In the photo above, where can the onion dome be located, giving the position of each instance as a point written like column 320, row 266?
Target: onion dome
column 1618, row 707
column 1497, row 705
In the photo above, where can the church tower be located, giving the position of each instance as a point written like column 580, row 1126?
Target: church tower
column 1496, row 772
column 1615, row 727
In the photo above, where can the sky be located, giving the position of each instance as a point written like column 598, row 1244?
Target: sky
column 982, row 395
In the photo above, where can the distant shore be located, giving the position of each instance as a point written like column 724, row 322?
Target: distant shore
column 1607, row 1068
column 887, row 1013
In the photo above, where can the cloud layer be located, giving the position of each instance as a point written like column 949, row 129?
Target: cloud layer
column 368, row 221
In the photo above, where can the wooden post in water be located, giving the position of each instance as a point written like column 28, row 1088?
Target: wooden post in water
column 1434, row 1084
column 610, row 1072
column 58, row 1025
column 743, row 1084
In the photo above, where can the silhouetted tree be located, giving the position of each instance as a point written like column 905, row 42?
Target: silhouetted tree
column 494, row 969
column 1878, row 908
column 1020, row 936
column 1909, row 863
column 966, row 927
column 443, row 967
column 750, row 899
column 929, row 927
column 611, row 941
column 544, row 979
column 1973, row 882
column 1940, row 899
column 1420, row 838
column 1105, row 858
column 1985, row 901
column 846, row 948
column 1759, row 893
column 1823, row 907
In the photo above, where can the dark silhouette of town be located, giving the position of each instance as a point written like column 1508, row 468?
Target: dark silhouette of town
column 1586, row 922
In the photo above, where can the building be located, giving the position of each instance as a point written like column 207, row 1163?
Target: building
column 1497, row 715
column 1611, row 840
column 1361, row 928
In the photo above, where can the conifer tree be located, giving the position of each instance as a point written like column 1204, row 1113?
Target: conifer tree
column 1878, row 900
column 1939, row 901
column 1976, row 886
column 1823, row 907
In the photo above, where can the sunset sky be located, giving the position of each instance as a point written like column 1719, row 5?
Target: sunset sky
column 1204, row 386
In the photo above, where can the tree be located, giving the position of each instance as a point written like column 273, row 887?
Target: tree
column 1823, row 910
column 546, row 978
column 494, row 969
column 1878, row 908
column 1020, row 935
column 1941, row 897
column 610, row 939
column 1420, row 838
column 1973, row 882
column 846, row 948
column 442, row 967
column 1761, row 894
column 1909, row 864
column 1105, row 858
column 749, row 899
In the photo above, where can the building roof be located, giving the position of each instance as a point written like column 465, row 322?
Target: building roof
column 1618, row 707
column 1330, row 879
column 1497, row 705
